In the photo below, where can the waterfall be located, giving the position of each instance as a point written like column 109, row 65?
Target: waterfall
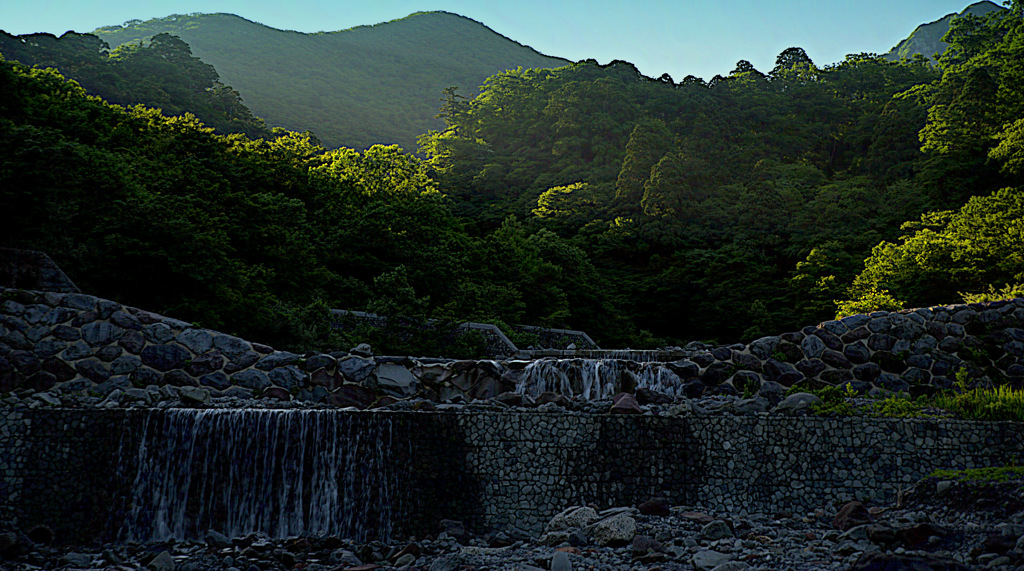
column 280, row 472
column 595, row 379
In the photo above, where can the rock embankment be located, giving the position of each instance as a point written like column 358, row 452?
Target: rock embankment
column 55, row 345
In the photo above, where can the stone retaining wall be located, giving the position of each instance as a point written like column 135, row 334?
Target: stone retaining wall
column 72, row 469
column 76, row 343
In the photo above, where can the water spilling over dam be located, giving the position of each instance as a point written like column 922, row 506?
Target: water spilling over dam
column 283, row 473
column 596, row 378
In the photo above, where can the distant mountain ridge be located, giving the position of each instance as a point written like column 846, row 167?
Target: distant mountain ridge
column 356, row 87
column 926, row 39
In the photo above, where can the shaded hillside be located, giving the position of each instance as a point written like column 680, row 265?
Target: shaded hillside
column 357, row 87
column 926, row 39
column 162, row 74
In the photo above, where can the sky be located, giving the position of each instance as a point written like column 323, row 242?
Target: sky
column 681, row 37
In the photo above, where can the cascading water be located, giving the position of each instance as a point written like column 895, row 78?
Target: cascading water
column 595, row 379
column 279, row 472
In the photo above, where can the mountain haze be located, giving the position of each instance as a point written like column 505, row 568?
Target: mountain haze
column 926, row 39
column 355, row 88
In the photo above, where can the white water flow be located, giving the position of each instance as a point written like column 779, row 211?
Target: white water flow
column 280, row 472
column 595, row 379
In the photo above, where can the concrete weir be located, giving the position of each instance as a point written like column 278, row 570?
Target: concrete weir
column 152, row 474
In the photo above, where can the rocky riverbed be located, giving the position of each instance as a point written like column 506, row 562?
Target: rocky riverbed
column 939, row 524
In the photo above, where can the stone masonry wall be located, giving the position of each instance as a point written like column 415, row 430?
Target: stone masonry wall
column 70, row 469
column 66, row 344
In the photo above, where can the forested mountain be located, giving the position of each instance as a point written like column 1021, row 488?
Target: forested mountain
column 644, row 211
column 745, row 204
column 258, row 236
column 162, row 74
column 926, row 39
column 354, row 88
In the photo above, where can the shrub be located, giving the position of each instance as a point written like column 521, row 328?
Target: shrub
column 999, row 403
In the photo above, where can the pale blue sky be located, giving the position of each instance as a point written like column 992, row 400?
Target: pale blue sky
column 681, row 37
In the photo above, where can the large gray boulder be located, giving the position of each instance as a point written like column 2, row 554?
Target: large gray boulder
column 797, row 404
column 616, row 530
column 396, row 380
column 570, row 518
column 356, row 369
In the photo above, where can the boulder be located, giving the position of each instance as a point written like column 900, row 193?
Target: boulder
column 550, row 397
column 614, row 531
column 231, row 347
column 101, row 333
column 510, row 399
column 836, row 359
column 162, row 562
column 772, row 391
column 782, row 372
column 197, row 340
column 323, row 377
column 132, row 341
column 851, row 515
column 762, row 348
column 241, row 361
column 351, row 395
column 917, row 535
column 685, row 368
column 320, row 361
column 362, row 350
column 707, row 559
column 625, row 403
column 216, row 380
column 485, row 388
column 277, row 393
column 205, row 364
column 252, row 379
column 560, row 562
column 164, row 357
column 717, row 529
column 797, row 404
column 571, row 518
column 289, row 378
column 649, row 396
column 60, row 369
column 356, row 369
column 217, row 539
column 812, row 346
column 751, row 406
column 644, row 544
column 396, row 380
column 716, row 374
column 277, row 359
column 158, row 333
column 194, row 395
column 656, row 506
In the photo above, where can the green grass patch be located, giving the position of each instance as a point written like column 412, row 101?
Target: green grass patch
column 835, row 401
column 984, row 475
column 987, row 404
column 999, row 403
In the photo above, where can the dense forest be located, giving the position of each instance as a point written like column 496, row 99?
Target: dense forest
column 162, row 74
column 644, row 211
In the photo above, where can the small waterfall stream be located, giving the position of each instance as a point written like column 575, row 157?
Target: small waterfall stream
column 596, row 379
column 279, row 472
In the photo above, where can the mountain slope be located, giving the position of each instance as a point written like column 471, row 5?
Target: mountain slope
column 926, row 39
column 162, row 74
column 357, row 87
